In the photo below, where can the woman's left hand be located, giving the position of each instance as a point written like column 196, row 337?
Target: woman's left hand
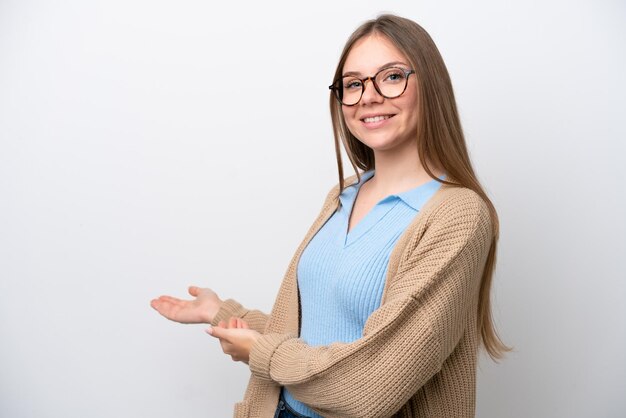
column 235, row 338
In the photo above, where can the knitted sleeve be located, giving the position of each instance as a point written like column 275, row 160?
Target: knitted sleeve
column 408, row 338
column 230, row 307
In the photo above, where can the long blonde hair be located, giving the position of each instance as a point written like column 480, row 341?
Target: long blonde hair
column 440, row 138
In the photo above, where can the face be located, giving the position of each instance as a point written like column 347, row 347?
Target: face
column 381, row 124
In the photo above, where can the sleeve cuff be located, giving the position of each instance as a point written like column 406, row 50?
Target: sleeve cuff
column 230, row 307
column 262, row 351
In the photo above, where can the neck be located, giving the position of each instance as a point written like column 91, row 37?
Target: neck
column 399, row 170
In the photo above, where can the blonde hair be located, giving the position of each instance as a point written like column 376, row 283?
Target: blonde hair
column 440, row 138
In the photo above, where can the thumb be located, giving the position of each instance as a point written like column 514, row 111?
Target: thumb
column 218, row 332
column 193, row 290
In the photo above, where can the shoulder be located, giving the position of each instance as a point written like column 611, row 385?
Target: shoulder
column 454, row 224
column 459, row 209
column 460, row 201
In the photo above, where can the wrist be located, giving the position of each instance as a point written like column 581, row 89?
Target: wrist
column 212, row 311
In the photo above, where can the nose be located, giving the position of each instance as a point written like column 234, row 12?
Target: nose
column 370, row 94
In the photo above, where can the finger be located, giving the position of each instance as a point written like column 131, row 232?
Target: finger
column 169, row 303
column 170, row 299
column 156, row 303
column 193, row 290
column 162, row 305
column 244, row 324
column 232, row 322
column 221, row 324
column 238, row 323
column 218, row 332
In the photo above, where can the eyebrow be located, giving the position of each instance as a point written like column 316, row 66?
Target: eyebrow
column 389, row 64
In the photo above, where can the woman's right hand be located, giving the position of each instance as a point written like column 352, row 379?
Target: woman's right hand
column 201, row 310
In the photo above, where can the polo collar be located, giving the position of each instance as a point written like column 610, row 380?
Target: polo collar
column 418, row 196
column 348, row 194
column 415, row 197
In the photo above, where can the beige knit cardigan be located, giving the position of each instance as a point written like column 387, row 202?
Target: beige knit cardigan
column 418, row 352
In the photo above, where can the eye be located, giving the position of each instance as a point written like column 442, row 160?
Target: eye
column 352, row 84
column 392, row 75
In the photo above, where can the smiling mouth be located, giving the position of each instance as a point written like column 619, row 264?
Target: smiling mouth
column 376, row 118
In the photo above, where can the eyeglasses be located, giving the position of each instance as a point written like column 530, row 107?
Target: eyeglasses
column 389, row 82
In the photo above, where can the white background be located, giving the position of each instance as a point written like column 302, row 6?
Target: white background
column 149, row 145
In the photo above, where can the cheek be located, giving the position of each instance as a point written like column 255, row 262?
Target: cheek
column 349, row 115
column 409, row 107
column 348, row 112
column 408, row 99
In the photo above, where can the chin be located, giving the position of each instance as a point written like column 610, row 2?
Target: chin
column 379, row 144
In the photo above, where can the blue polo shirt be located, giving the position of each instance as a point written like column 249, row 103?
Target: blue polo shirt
column 341, row 275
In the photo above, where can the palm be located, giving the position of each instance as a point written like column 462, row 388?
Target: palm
column 202, row 309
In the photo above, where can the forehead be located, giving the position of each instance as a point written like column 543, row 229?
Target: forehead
column 370, row 53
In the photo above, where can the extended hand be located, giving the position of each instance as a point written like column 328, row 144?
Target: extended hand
column 201, row 310
column 235, row 338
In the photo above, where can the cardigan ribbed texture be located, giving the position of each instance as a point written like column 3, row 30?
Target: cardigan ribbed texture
column 418, row 352
column 341, row 274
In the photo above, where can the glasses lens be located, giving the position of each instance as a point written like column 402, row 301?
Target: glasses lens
column 391, row 82
column 350, row 90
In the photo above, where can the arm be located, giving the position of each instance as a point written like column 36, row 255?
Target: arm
column 405, row 341
column 206, row 307
column 256, row 319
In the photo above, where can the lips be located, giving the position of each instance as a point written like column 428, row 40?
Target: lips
column 375, row 118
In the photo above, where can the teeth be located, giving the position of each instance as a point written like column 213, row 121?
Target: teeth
column 376, row 119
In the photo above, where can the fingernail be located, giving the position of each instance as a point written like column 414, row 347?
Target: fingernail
column 209, row 331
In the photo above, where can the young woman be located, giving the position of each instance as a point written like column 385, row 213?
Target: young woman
column 386, row 301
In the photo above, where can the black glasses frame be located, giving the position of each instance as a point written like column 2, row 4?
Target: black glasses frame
column 336, row 86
